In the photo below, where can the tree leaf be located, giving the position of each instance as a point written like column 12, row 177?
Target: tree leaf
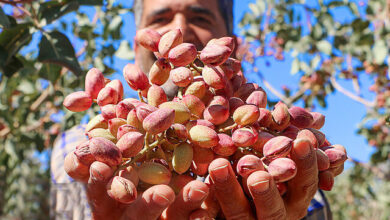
column 315, row 61
column 27, row 87
column 321, row 101
column 325, row 47
column 9, row 65
column 359, row 25
column 380, row 52
column 12, row 39
column 50, row 11
column 334, row 4
column 124, row 51
column 90, row 2
column 305, row 67
column 56, row 48
column 12, row 66
column 295, row 66
column 50, row 72
column 4, row 22
column 9, row 148
column 257, row 8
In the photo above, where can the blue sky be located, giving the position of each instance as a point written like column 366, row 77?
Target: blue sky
column 342, row 114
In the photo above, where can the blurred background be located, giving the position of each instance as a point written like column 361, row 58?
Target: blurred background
column 328, row 56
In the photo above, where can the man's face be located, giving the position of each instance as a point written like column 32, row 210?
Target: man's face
column 199, row 21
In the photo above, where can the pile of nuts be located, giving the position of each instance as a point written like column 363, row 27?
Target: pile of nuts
column 215, row 113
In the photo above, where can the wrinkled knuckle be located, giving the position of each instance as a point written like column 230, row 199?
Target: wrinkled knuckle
column 310, row 187
column 308, row 181
column 279, row 213
column 301, row 214
column 297, row 211
column 239, row 216
column 308, row 192
column 268, row 195
column 310, row 164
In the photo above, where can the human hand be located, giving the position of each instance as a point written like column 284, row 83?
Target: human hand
column 261, row 187
column 149, row 204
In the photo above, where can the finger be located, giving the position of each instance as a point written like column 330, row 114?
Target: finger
column 322, row 160
column 152, row 203
column 211, row 204
column 200, row 214
column 188, row 200
column 302, row 188
column 247, row 165
column 228, row 191
column 337, row 170
column 325, row 180
column 101, row 204
column 268, row 203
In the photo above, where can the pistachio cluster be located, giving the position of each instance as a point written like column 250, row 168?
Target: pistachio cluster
column 215, row 113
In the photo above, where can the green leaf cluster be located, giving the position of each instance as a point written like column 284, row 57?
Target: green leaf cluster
column 27, row 104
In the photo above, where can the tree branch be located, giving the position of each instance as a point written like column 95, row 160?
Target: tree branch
column 4, row 132
column 14, row 2
column 378, row 172
column 268, row 85
column 45, row 93
column 350, row 94
column 274, row 91
column 266, row 23
column 86, row 43
column 290, row 100
column 40, row 99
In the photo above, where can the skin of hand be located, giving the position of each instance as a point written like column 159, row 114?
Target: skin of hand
column 148, row 205
column 267, row 202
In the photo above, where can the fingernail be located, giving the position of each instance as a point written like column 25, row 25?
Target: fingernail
column 96, row 175
column 260, row 186
column 302, row 149
column 220, row 174
column 196, row 195
column 246, row 169
column 161, row 199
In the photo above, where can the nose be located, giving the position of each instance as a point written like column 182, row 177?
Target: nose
column 181, row 22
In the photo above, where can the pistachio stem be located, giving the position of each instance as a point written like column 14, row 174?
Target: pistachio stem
column 196, row 68
column 265, row 161
column 228, row 127
column 180, row 93
column 148, row 147
column 140, row 96
column 123, row 166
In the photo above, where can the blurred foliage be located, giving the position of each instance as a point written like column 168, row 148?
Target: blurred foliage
column 39, row 66
column 327, row 50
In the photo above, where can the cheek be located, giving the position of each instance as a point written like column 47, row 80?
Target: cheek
column 144, row 59
column 204, row 35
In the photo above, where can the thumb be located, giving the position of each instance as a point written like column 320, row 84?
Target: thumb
column 101, row 204
column 269, row 204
